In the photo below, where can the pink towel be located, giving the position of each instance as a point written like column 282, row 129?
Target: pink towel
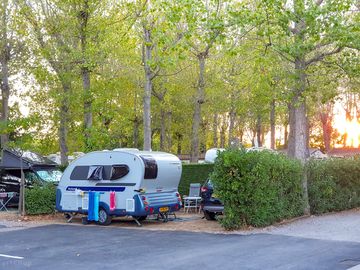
column 112, row 201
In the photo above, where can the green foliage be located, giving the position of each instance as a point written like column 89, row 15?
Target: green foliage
column 334, row 184
column 249, row 45
column 40, row 199
column 257, row 188
column 193, row 173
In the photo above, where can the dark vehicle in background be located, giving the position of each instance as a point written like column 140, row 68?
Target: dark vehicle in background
column 211, row 205
column 38, row 170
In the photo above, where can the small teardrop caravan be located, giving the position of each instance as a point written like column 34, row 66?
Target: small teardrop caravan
column 129, row 183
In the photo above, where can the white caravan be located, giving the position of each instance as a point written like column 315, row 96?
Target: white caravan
column 142, row 183
column 212, row 154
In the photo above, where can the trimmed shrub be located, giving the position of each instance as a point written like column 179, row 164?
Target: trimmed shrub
column 193, row 173
column 257, row 188
column 40, row 199
column 333, row 184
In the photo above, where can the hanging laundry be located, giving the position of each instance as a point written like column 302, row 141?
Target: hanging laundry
column 93, row 208
column 112, row 201
column 91, row 216
column 96, row 206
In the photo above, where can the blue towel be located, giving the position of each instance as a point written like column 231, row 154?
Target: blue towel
column 93, row 208
column 91, row 214
column 96, row 206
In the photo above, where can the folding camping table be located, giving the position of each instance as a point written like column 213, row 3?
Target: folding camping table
column 5, row 198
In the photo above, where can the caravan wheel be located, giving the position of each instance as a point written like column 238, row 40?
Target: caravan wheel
column 104, row 218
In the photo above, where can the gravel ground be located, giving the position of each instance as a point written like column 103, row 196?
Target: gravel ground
column 343, row 226
column 10, row 221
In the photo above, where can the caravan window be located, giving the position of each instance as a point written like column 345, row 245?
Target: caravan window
column 118, row 171
column 95, row 173
column 99, row 172
column 151, row 168
column 79, row 173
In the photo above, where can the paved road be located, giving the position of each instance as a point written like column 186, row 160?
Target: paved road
column 95, row 247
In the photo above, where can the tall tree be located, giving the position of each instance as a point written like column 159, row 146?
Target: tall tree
column 326, row 118
column 308, row 32
column 150, row 73
column 8, row 51
column 92, row 28
column 205, row 26
column 52, row 30
column 158, row 40
column 84, row 12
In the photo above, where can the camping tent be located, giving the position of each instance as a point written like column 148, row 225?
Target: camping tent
column 16, row 159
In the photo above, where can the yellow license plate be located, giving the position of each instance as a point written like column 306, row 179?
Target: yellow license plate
column 163, row 209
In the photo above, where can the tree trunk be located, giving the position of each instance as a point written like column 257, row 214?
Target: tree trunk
column 327, row 130
column 162, row 129
column 258, row 131
column 163, row 115
column 298, row 140
column 253, row 139
column 326, row 120
column 298, row 137
column 199, row 100
column 136, row 122
column 85, row 73
column 223, row 129
column 64, row 122
column 4, row 79
column 5, row 94
column 241, row 135
column 215, row 130
column 87, row 107
column 222, row 137
column 286, row 136
column 148, row 88
column 272, row 125
column 204, row 128
column 169, row 137
column 232, row 117
column 179, row 143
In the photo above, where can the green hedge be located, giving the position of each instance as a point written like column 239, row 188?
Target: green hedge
column 333, row 184
column 193, row 173
column 40, row 200
column 257, row 188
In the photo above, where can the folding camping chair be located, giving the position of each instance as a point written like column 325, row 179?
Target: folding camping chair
column 5, row 198
column 193, row 200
